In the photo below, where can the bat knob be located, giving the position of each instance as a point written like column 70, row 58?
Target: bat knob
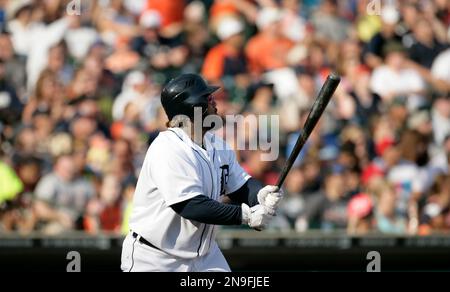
column 334, row 77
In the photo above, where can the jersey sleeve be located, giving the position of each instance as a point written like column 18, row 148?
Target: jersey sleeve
column 174, row 174
column 238, row 176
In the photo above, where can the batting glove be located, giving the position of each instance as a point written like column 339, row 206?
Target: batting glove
column 256, row 217
column 270, row 197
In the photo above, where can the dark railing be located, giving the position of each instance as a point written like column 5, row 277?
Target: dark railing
column 244, row 250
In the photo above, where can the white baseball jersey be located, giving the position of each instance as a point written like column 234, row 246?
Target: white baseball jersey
column 176, row 169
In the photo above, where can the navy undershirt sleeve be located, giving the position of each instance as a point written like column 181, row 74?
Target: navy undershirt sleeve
column 248, row 193
column 205, row 210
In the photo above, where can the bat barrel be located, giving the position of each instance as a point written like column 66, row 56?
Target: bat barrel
column 316, row 112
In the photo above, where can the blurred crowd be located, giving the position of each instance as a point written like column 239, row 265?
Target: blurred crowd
column 79, row 105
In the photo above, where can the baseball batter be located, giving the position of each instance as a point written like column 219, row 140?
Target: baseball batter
column 178, row 199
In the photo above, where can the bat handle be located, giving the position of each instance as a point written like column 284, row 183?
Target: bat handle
column 281, row 181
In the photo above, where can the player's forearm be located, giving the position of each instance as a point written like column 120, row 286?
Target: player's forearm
column 205, row 210
column 247, row 194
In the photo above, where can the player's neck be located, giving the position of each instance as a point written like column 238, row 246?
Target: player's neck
column 196, row 135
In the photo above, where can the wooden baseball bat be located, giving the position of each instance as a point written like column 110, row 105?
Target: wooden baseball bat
column 314, row 116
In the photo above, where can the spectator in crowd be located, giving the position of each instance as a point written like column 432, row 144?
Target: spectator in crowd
column 405, row 175
column 58, row 63
column 14, row 65
column 291, row 209
column 42, row 38
column 259, row 168
column 17, row 212
column 149, row 41
column 11, row 187
column 171, row 14
column 360, row 214
column 327, row 210
column 367, row 24
column 426, row 48
column 123, row 58
column 436, row 215
column 25, row 143
column 269, row 48
column 20, row 24
column 104, row 212
column 127, row 205
column 134, row 89
column 114, row 22
column 388, row 219
column 10, row 105
column 47, row 97
column 375, row 54
column 61, row 197
column 328, row 24
column 356, row 101
column 440, row 117
column 394, row 79
column 440, row 72
column 227, row 58
column 261, row 99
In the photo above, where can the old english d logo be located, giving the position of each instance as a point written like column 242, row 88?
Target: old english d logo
column 224, row 178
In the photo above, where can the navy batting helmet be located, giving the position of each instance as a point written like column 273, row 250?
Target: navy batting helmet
column 182, row 94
